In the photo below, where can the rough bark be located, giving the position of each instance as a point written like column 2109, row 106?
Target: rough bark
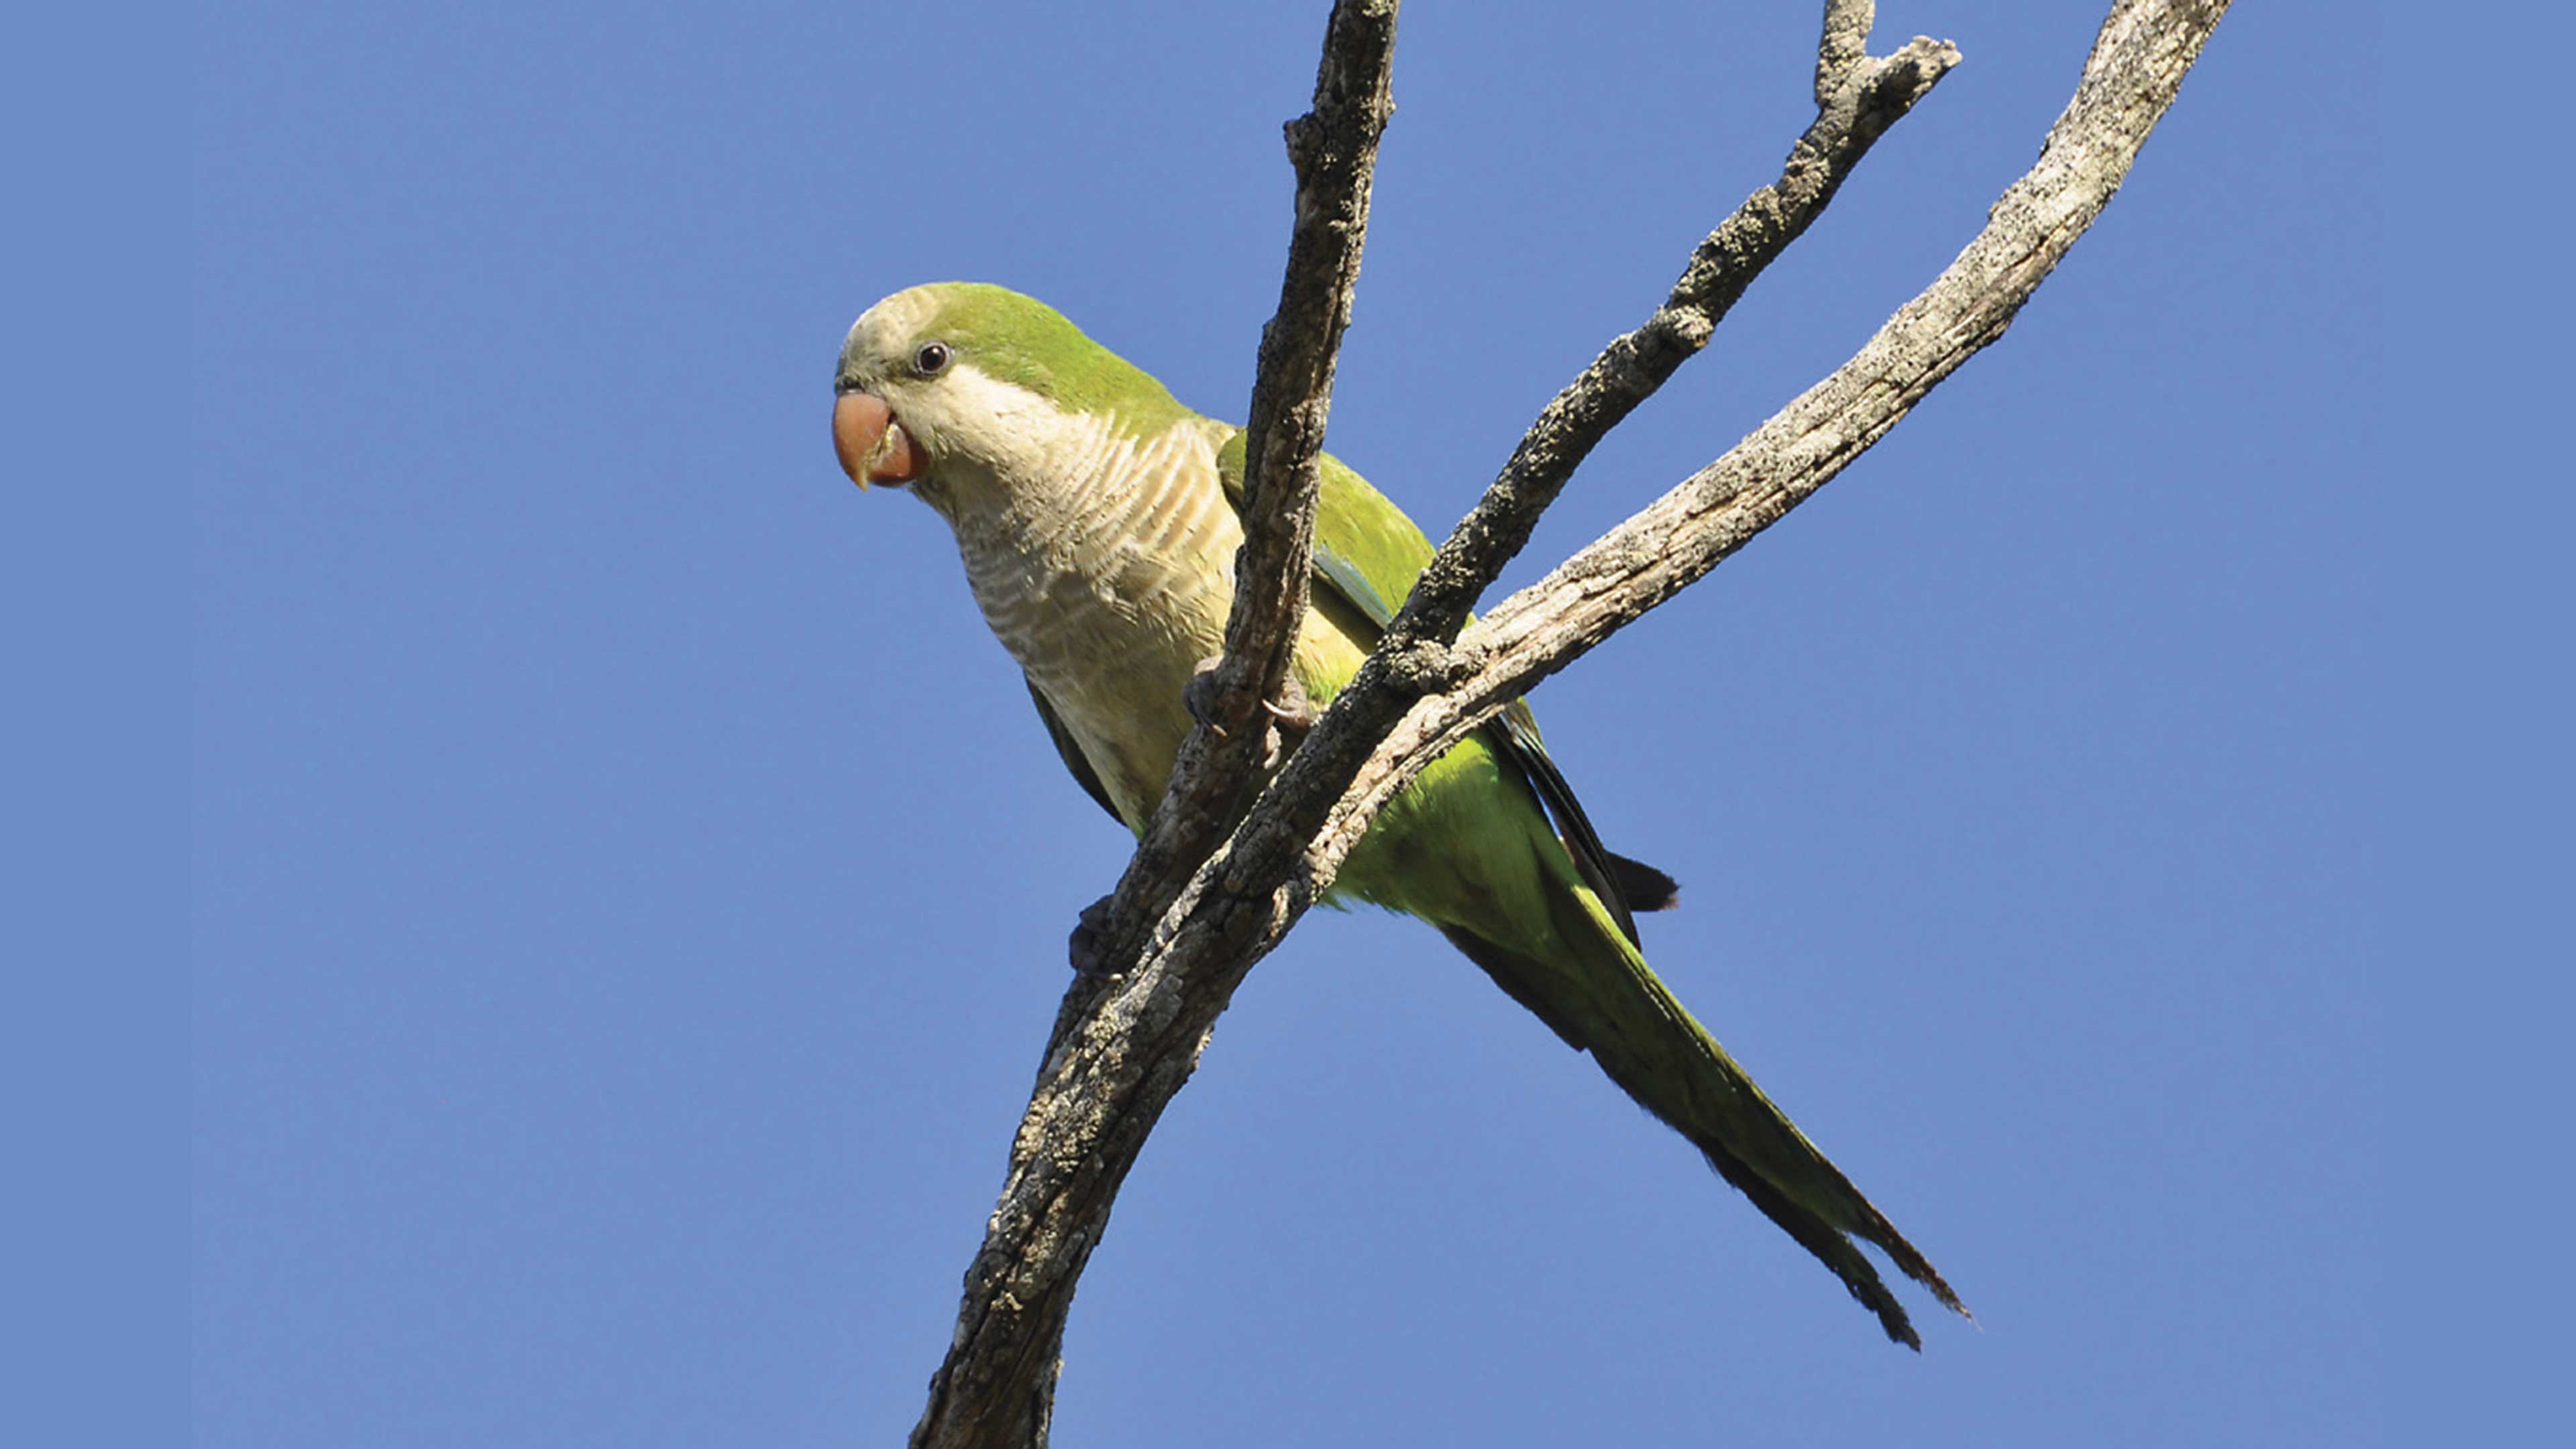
column 1334, row 151
column 2136, row 67
column 1189, row 923
column 1092, row 1110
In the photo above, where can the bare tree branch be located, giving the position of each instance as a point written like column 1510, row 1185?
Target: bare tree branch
column 1334, row 150
column 997, row 1386
column 1124, row 1046
column 1844, row 45
column 1868, row 96
column 2136, row 67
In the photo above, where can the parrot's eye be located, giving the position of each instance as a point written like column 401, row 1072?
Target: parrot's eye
column 931, row 360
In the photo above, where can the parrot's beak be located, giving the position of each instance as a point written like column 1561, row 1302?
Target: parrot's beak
column 873, row 447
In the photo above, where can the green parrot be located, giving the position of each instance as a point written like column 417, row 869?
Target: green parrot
column 1098, row 521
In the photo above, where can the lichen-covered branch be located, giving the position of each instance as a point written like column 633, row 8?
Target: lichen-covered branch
column 1126, row 1043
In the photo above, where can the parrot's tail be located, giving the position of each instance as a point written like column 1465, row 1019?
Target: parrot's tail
column 1611, row 1004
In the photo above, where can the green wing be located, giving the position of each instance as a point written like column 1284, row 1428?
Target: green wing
column 1368, row 554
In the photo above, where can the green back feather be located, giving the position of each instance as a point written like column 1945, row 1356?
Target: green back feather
column 1364, row 545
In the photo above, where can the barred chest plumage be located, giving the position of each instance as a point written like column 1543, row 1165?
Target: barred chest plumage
column 1104, row 564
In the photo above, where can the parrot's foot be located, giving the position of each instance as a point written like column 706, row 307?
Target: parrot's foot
column 1292, row 714
column 1082, row 949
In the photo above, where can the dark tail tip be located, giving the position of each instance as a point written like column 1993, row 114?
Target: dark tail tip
column 1642, row 886
column 1911, row 1262
column 1827, row 1242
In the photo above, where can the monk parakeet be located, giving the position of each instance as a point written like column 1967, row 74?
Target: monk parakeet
column 1097, row 518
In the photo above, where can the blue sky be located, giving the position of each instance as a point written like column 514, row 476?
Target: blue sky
column 630, row 886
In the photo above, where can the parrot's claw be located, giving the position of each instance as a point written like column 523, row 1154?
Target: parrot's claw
column 1083, row 947
column 1292, row 712
column 1292, row 715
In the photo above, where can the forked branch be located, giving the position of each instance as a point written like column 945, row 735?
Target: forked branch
column 1196, row 918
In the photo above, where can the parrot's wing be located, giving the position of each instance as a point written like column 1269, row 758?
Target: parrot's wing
column 1066, row 746
column 1637, row 885
column 1367, row 553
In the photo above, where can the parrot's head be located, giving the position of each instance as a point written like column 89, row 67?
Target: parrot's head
column 962, row 378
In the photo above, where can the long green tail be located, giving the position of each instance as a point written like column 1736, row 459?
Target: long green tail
column 1610, row 1003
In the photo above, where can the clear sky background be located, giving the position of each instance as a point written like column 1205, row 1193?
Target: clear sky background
column 630, row 885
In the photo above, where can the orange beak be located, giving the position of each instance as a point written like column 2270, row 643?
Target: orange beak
column 872, row 446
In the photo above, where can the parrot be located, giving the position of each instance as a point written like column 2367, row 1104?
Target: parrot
column 1098, row 519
